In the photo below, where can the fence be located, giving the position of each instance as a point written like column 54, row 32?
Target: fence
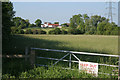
column 72, row 53
column 32, row 57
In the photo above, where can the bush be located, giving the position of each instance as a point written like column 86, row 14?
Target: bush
column 20, row 32
column 35, row 32
column 41, row 32
column 28, row 31
column 92, row 30
column 14, row 30
column 54, row 72
column 74, row 31
column 55, row 31
column 114, row 32
column 51, row 32
column 64, row 32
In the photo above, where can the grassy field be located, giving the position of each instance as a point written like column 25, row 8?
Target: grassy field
column 86, row 43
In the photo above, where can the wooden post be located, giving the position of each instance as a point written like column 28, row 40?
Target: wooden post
column 26, row 53
column 32, row 58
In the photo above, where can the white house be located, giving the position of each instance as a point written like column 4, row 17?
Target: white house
column 48, row 24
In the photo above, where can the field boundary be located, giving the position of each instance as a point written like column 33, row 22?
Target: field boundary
column 32, row 57
column 73, row 53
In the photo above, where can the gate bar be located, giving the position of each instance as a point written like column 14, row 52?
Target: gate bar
column 77, row 61
column 60, row 59
column 86, row 53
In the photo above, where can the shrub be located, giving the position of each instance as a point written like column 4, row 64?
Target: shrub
column 14, row 30
column 20, row 32
column 64, row 32
column 28, row 31
column 41, row 32
column 55, row 31
column 73, row 31
column 35, row 32
column 114, row 32
column 54, row 72
column 7, row 76
column 51, row 32
column 92, row 30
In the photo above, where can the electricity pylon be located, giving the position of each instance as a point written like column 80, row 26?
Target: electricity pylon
column 110, row 11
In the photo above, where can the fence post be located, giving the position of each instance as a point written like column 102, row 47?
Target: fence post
column 32, row 58
column 26, row 53
column 70, row 61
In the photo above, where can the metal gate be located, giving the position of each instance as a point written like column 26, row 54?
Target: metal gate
column 72, row 53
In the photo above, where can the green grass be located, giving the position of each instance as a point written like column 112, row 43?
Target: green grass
column 86, row 43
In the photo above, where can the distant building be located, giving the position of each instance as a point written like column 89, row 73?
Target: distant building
column 48, row 24
column 59, row 26
column 53, row 25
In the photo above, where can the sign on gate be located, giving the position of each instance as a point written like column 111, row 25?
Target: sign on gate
column 89, row 67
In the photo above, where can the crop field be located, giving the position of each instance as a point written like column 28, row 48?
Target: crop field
column 85, row 43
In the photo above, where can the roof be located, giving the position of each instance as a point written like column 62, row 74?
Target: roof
column 54, row 24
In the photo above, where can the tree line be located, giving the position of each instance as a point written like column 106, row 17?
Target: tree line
column 83, row 24
column 79, row 24
column 21, row 23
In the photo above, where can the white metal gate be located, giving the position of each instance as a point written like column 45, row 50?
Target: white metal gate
column 72, row 53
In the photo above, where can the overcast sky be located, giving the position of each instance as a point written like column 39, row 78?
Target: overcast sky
column 61, row 11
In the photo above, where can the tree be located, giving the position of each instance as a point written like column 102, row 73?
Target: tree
column 75, row 20
column 100, row 28
column 27, row 22
column 38, row 22
column 94, row 20
column 7, row 16
column 56, row 22
column 85, row 17
column 31, row 25
column 17, row 21
column 92, row 25
column 81, row 27
column 65, row 25
column 21, row 23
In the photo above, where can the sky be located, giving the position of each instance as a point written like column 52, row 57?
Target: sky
column 61, row 11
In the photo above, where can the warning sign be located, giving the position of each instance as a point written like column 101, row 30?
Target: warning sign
column 89, row 67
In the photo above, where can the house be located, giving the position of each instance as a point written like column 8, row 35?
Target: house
column 48, row 24
column 53, row 25
column 59, row 26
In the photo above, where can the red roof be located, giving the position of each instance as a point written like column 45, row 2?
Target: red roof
column 54, row 24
